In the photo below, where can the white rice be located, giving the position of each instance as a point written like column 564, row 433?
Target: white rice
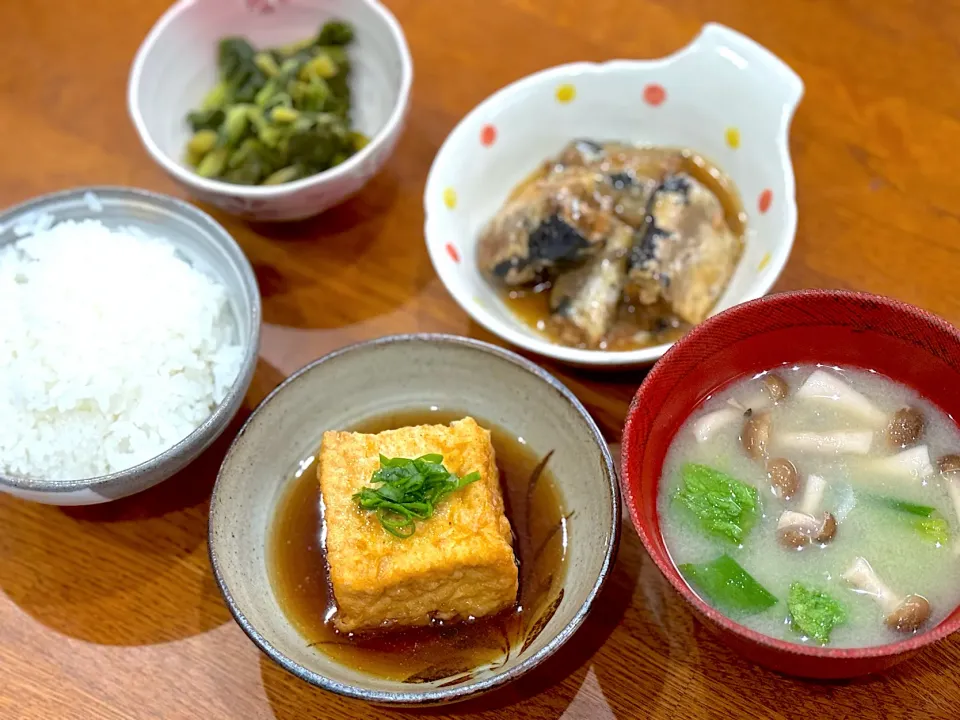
column 112, row 349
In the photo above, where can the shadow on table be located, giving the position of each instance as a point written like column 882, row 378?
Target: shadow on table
column 544, row 692
column 131, row 572
column 351, row 264
column 903, row 691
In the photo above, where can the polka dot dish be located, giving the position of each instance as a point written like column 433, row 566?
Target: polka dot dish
column 723, row 95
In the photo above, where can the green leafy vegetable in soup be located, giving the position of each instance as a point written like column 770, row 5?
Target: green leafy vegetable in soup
column 906, row 507
column 276, row 115
column 933, row 530
column 814, row 613
column 409, row 490
column 928, row 527
column 727, row 584
column 723, row 505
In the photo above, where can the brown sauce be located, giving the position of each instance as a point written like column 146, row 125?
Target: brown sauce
column 298, row 572
column 636, row 326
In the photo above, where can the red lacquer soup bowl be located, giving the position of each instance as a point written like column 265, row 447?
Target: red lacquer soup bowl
column 905, row 343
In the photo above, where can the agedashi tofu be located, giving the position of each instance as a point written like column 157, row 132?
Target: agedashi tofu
column 458, row 564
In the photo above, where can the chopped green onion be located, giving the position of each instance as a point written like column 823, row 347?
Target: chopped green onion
column 409, row 490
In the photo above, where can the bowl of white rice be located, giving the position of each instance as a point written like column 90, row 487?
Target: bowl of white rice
column 129, row 334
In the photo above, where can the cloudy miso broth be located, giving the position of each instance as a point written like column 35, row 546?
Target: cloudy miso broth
column 888, row 502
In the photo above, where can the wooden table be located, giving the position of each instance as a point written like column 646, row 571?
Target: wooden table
column 112, row 612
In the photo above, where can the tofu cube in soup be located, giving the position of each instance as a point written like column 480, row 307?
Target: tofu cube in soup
column 458, row 564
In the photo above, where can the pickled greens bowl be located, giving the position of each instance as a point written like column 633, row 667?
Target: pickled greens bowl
column 176, row 67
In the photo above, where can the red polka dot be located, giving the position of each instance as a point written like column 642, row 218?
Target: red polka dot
column 452, row 252
column 488, row 135
column 654, row 94
column 766, row 198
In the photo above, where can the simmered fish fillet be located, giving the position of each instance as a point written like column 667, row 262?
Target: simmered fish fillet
column 628, row 175
column 567, row 215
column 686, row 254
column 555, row 221
column 584, row 301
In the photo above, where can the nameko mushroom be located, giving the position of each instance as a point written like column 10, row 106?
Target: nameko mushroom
column 905, row 614
column 797, row 529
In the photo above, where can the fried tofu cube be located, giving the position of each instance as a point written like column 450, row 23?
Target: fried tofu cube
column 458, row 564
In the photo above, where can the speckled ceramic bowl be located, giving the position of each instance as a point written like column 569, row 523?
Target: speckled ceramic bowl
column 723, row 95
column 205, row 245
column 372, row 379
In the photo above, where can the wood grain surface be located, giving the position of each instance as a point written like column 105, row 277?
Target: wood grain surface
column 111, row 612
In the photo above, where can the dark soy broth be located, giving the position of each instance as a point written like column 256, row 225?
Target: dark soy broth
column 298, row 573
column 532, row 305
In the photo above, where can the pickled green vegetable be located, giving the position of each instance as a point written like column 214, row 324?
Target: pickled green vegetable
column 276, row 115
column 728, row 585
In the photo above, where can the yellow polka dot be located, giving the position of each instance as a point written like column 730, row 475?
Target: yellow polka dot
column 733, row 137
column 764, row 262
column 566, row 93
column 478, row 302
column 450, row 198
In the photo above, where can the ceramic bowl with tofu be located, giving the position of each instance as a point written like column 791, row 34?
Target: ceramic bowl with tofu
column 415, row 520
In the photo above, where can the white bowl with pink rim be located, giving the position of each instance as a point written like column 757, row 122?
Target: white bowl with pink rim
column 176, row 66
column 723, row 95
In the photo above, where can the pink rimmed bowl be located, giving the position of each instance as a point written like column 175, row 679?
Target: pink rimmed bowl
column 176, row 66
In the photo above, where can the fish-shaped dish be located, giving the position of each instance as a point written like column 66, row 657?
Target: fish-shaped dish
column 594, row 213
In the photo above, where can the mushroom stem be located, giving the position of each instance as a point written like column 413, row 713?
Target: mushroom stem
column 911, row 463
column 865, row 581
column 953, row 488
column 798, row 529
column 813, row 494
column 823, row 385
column 904, row 614
column 845, row 442
column 773, row 389
column 710, row 424
column 950, row 473
column 794, row 529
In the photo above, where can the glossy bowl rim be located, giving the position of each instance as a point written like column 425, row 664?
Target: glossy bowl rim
column 668, row 568
column 515, row 92
column 467, row 690
column 190, row 446
column 219, row 187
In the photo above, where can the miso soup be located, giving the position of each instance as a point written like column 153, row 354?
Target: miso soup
column 819, row 505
